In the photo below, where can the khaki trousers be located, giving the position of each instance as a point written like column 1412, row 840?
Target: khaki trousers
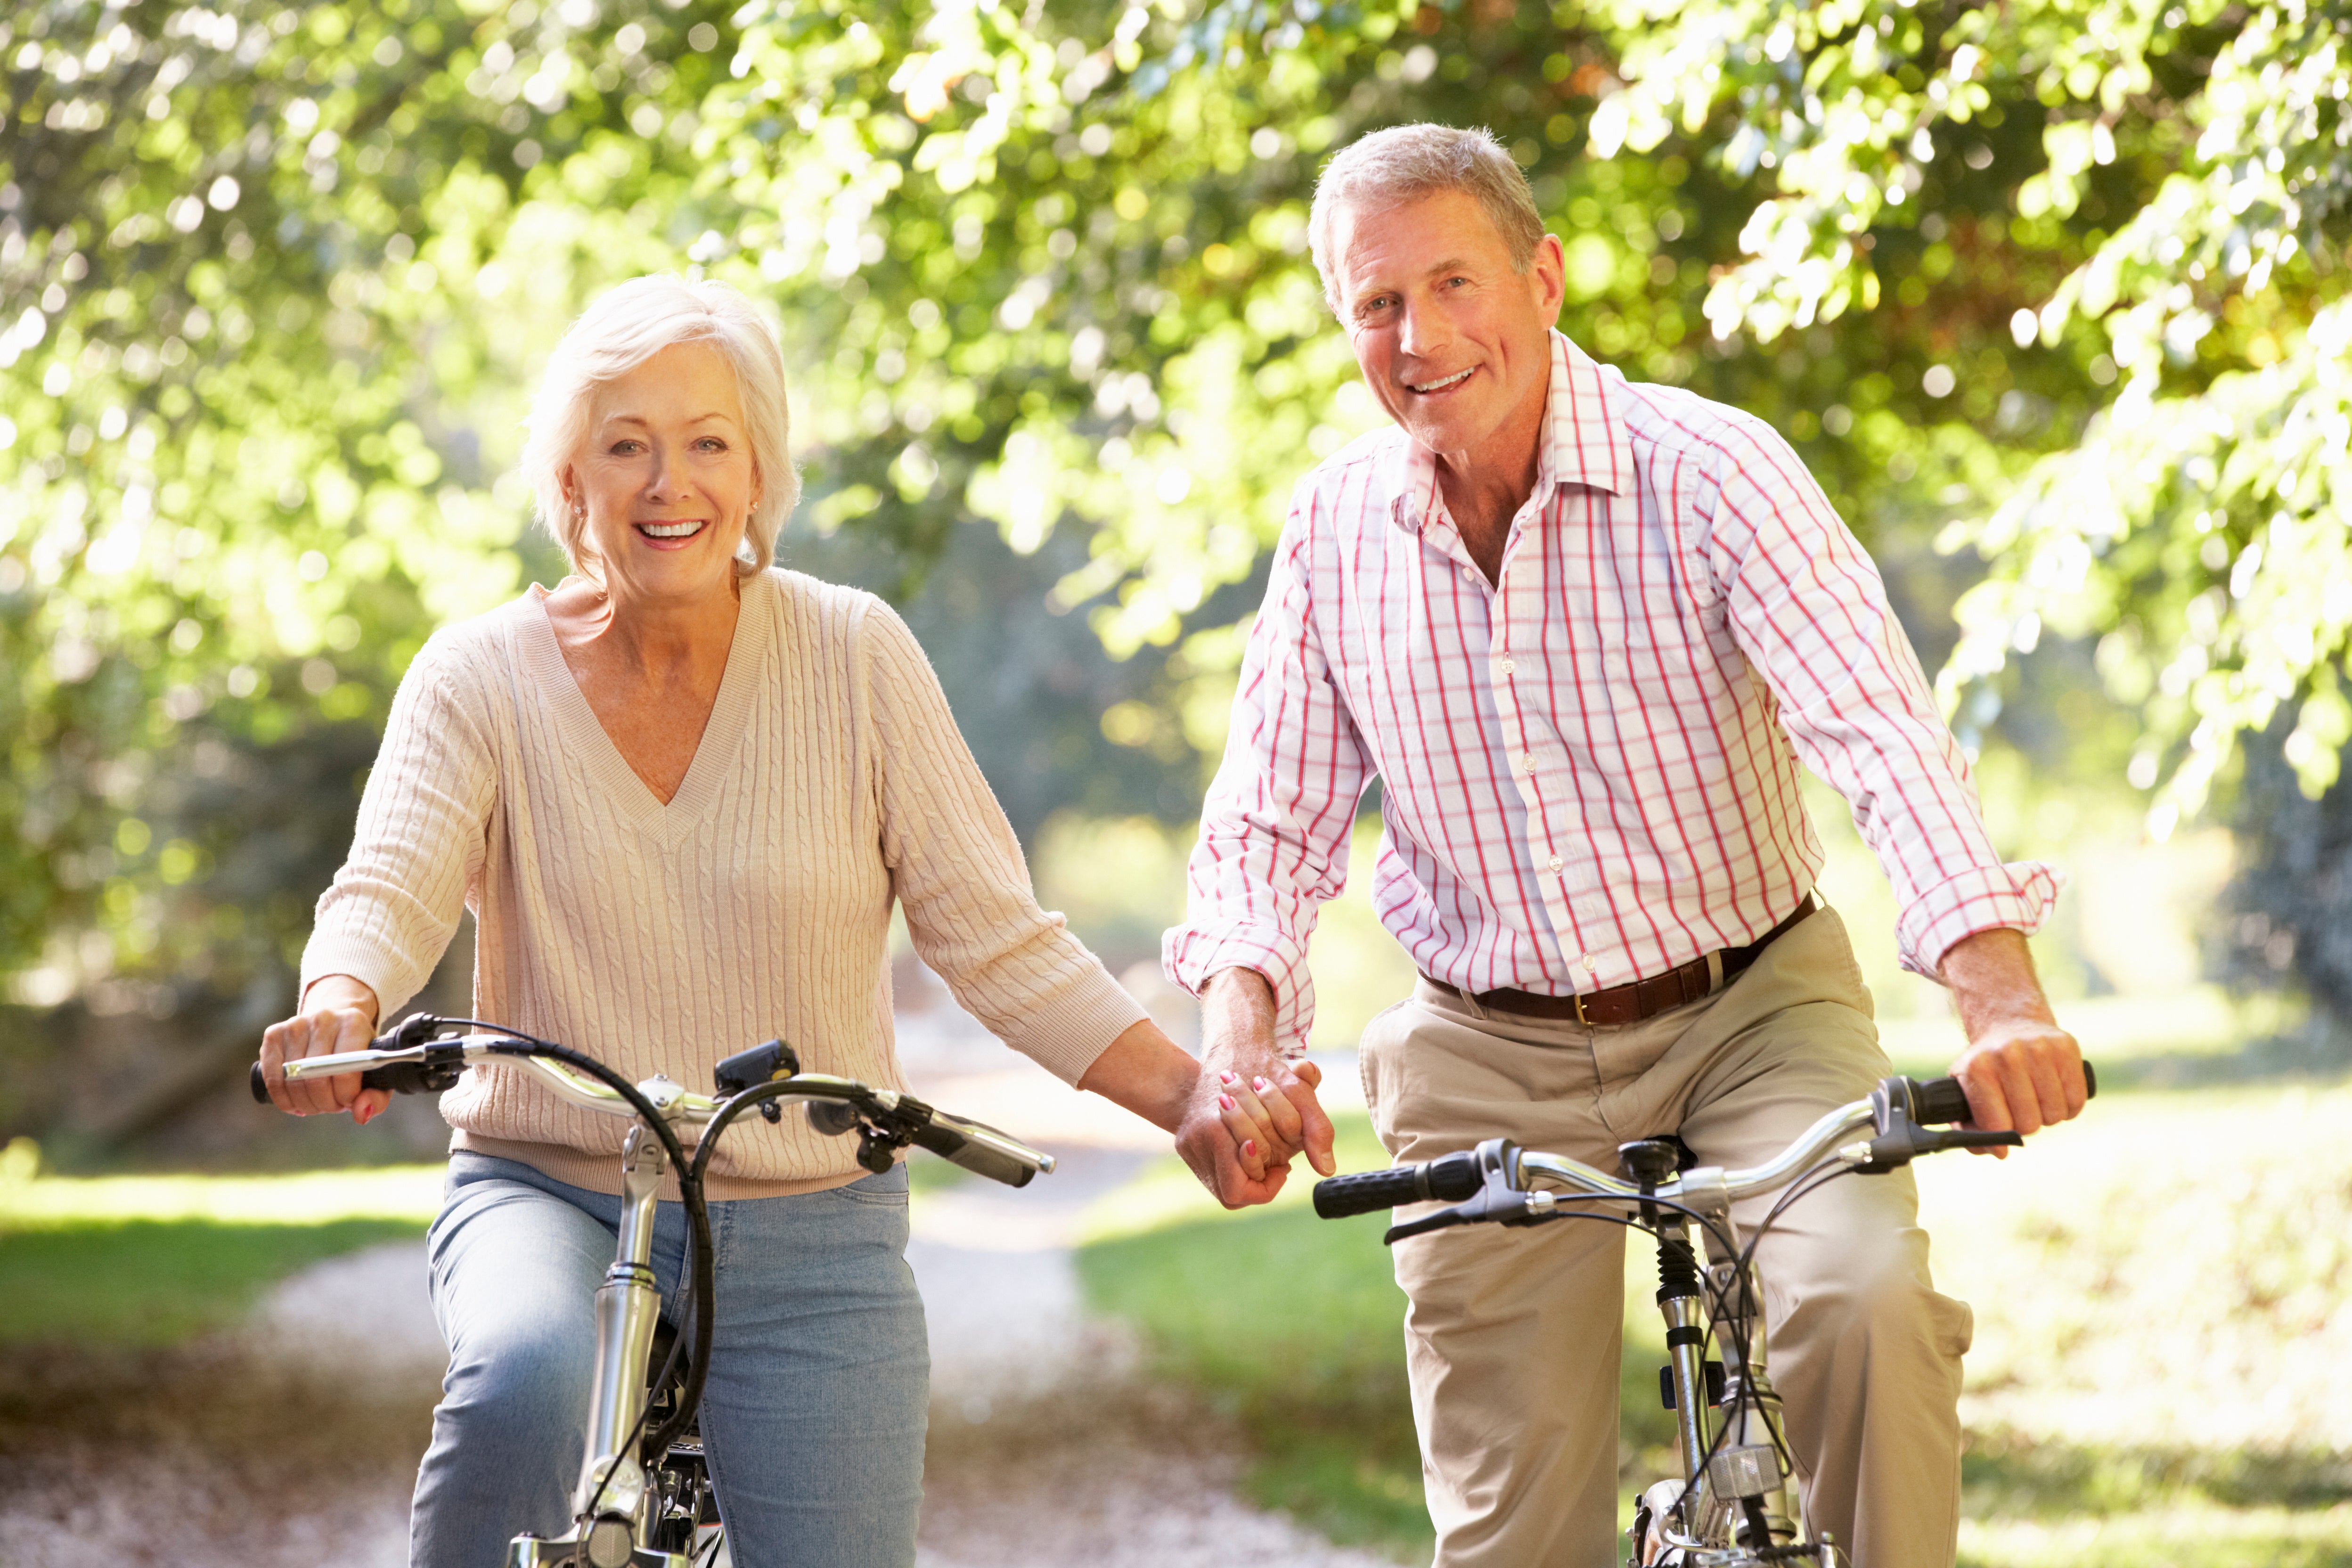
column 1513, row 1336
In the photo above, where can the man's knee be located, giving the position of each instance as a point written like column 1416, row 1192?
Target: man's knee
column 1876, row 1302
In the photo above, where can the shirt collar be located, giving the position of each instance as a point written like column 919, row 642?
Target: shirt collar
column 1584, row 442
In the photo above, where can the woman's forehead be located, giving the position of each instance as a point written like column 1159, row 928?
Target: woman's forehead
column 685, row 383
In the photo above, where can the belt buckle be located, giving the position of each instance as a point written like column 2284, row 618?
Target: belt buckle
column 1578, row 997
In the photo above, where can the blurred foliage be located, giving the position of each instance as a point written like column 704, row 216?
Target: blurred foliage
column 274, row 281
column 2284, row 909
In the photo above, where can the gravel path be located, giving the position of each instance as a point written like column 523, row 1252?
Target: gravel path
column 1048, row 1450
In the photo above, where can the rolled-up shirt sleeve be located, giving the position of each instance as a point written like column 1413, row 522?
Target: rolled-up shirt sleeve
column 958, row 870
column 1809, row 610
column 418, row 844
column 1274, row 827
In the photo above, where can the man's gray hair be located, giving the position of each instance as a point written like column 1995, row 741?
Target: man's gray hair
column 628, row 325
column 1407, row 161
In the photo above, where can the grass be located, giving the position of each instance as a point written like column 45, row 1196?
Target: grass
column 135, row 1263
column 2162, row 1293
column 148, row 1284
column 1292, row 1327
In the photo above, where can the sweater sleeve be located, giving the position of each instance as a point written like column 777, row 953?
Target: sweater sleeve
column 957, row 868
column 419, row 844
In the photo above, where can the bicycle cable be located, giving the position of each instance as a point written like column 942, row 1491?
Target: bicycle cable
column 1740, row 1312
column 698, row 1264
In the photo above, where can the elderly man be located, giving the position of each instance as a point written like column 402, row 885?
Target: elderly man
column 1584, row 630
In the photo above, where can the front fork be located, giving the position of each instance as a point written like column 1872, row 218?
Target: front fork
column 1746, row 1477
column 611, row 1526
column 1737, row 1489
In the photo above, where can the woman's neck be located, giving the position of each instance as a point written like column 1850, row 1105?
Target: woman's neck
column 661, row 642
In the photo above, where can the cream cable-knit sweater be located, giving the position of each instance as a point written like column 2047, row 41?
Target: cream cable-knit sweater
column 830, row 779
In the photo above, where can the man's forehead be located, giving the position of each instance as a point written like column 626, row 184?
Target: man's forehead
column 1420, row 234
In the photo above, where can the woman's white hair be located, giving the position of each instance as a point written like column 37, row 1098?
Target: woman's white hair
column 1405, row 162
column 627, row 326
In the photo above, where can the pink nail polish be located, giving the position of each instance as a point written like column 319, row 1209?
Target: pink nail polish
column 1260, row 1085
column 1225, row 1102
column 1250, row 1147
column 1228, row 1078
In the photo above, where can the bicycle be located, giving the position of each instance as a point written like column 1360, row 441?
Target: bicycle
column 1729, row 1507
column 645, row 1498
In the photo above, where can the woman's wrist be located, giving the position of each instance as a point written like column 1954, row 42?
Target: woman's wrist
column 337, row 993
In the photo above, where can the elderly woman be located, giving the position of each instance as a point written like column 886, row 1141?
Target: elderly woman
column 680, row 793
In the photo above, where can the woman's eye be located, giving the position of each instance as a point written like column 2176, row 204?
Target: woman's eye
column 712, row 444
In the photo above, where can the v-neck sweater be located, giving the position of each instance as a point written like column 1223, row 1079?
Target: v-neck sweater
column 829, row 782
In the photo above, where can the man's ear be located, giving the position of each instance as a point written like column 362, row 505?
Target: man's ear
column 1548, row 275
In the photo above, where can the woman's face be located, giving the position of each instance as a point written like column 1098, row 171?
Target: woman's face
column 666, row 477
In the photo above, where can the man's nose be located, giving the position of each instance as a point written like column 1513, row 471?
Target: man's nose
column 1422, row 332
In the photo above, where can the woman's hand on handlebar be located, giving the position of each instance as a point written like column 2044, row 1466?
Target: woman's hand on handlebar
column 338, row 1014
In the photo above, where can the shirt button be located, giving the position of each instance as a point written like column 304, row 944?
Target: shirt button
column 1527, row 763
column 1555, row 863
column 1506, row 666
column 1588, row 965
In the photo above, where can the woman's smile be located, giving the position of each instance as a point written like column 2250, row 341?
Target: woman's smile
column 671, row 535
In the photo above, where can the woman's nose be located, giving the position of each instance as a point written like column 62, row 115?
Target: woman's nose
column 661, row 484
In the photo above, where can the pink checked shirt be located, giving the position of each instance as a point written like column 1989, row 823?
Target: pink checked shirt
column 1589, row 768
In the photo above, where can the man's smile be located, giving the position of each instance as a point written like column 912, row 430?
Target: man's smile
column 1426, row 388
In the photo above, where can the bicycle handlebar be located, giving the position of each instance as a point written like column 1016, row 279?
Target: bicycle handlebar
column 1449, row 1179
column 431, row 1066
column 1900, row 1111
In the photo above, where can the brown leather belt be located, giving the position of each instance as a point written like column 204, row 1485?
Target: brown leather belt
column 1640, row 999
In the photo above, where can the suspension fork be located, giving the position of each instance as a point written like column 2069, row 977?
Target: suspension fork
column 1684, row 1307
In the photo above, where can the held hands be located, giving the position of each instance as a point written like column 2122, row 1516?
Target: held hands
column 339, row 1014
column 2022, row 1071
column 1252, row 1112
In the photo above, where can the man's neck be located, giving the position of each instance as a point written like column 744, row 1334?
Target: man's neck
column 1485, row 485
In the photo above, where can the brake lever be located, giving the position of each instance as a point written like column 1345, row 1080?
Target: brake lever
column 1499, row 1202
column 1901, row 1140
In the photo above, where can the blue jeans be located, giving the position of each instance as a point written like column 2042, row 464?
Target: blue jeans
column 815, row 1408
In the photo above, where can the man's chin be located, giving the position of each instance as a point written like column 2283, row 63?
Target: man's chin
column 1447, row 432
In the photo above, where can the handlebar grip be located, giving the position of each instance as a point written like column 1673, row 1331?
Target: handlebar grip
column 401, row 1078
column 1943, row 1099
column 981, row 1159
column 1450, row 1179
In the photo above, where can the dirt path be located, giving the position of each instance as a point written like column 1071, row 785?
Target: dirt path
column 1047, row 1449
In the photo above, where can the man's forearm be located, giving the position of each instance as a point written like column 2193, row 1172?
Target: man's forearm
column 1992, row 980
column 2021, row 1070
column 1237, row 1015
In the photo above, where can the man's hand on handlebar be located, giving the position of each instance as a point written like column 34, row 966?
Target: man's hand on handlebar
column 338, row 1015
column 2022, row 1071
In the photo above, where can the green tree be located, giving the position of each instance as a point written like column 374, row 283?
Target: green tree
column 2055, row 278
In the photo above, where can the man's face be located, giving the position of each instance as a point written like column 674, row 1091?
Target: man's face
column 1450, row 337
